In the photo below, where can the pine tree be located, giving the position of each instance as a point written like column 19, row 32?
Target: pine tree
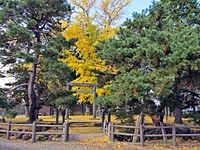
column 156, row 53
column 3, row 99
column 26, row 30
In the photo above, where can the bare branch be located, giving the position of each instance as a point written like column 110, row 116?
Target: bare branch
column 44, row 99
column 18, row 86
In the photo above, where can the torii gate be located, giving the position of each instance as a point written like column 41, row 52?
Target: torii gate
column 70, row 85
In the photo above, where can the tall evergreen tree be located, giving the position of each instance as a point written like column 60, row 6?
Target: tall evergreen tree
column 157, row 53
column 26, row 31
column 3, row 99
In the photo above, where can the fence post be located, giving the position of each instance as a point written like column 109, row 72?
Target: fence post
column 141, row 135
column 103, row 126
column 103, row 116
column 68, row 124
column 108, row 131
column 111, row 131
column 8, row 131
column 33, row 132
column 65, row 131
column 163, row 132
column 174, row 135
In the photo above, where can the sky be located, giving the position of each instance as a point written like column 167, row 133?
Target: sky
column 135, row 6
column 138, row 6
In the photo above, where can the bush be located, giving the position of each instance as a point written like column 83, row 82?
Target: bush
column 125, row 118
column 40, row 138
column 9, row 113
column 186, row 115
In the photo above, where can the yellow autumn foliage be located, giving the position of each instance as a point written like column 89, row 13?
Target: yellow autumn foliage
column 110, row 11
column 88, row 30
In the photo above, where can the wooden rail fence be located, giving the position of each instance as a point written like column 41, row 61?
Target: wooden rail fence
column 109, row 129
column 111, row 132
column 33, row 126
column 105, row 127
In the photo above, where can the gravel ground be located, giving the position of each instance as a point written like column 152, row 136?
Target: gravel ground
column 72, row 144
column 9, row 145
column 76, row 143
column 4, row 145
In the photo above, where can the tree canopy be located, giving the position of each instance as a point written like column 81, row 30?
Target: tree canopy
column 157, row 54
column 85, row 34
column 30, row 31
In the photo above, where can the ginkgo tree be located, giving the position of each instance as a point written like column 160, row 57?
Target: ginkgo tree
column 94, row 21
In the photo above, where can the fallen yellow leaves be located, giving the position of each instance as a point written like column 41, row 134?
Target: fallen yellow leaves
column 103, row 142
column 87, row 118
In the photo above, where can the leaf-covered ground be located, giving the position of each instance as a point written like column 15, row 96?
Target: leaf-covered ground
column 88, row 137
column 51, row 119
column 78, row 128
column 89, row 143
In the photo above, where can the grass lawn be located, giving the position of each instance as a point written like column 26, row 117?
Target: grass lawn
column 51, row 119
column 85, row 128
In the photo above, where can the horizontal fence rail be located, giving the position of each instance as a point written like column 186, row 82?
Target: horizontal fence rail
column 112, row 127
column 109, row 129
column 34, row 132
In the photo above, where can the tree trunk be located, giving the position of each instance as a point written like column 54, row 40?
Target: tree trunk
column 63, row 115
column 36, row 113
column 57, row 116
column 52, row 111
column 67, row 113
column 168, row 110
column 27, row 107
column 109, row 116
column 27, row 110
column 166, row 113
column 178, row 116
column 103, row 116
column 156, row 120
column 82, row 109
column 194, row 109
column 87, row 110
column 31, row 91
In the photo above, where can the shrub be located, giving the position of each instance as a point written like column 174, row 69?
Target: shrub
column 40, row 138
column 9, row 113
column 40, row 120
column 186, row 115
column 125, row 117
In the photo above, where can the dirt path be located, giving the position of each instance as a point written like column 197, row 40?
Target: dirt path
column 73, row 144
column 90, row 143
column 13, row 145
column 4, row 145
column 10, row 145
column 79, row 137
